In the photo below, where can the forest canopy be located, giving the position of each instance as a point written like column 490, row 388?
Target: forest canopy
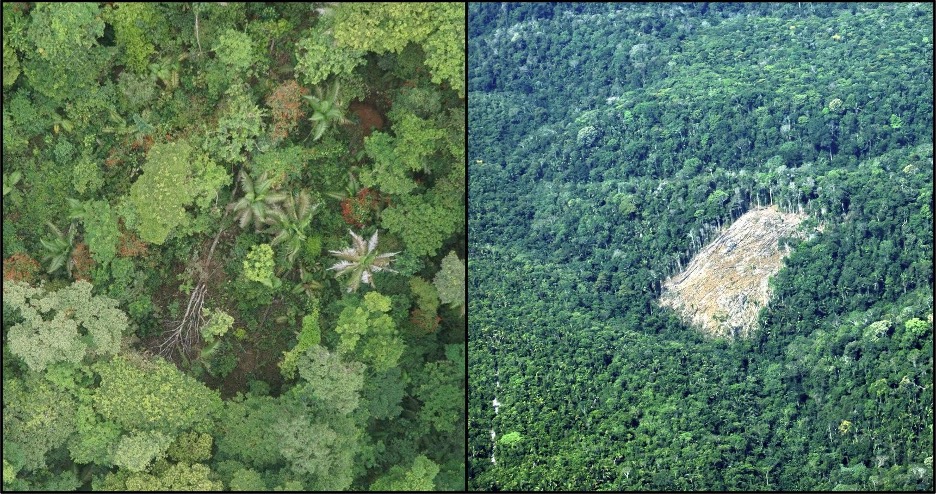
column 231, row 240
column 608, row 144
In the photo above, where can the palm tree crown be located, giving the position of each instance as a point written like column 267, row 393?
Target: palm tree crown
column 290, row 223
column 58, row 249
column 362, row 261
column 258, row 201
column 326, row 108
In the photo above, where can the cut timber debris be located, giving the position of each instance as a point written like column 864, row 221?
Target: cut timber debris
column 725, row 285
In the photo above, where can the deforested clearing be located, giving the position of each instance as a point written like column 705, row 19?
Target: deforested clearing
column 726, row 283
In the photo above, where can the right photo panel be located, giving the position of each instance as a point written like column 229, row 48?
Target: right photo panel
column 700, row 247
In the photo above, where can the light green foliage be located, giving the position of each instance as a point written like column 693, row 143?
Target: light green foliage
column 376, row 302
column 181, row 477
column 137, row 450
column 247, row 479
column 174, row 177
column 87, row 176
column 62, row 326
column 310, row 336
column 389, row 27
column 915, row 329
column 207, row 179
column 63, row 61
column 21, row 121
column 319, row 57
column 100, row 228
column 450, row 280
column 9, row 471
column 877, row 330
column 154, row 396
column 417, row 478
column 331, row 379
column 445, row 47
column 134, row 29
column 510, row 438
column 896, row 122
column 165, row 477
column 160, row 195
column 37, row 418
column 426, row 295
column 382, row 27
column 233, row 49
column 190, row 447
column 238, row 127
column 625, row 203
column 313, row 247
column 369, row 333
column 219, row 322
column 10, row 181
column 258, row 265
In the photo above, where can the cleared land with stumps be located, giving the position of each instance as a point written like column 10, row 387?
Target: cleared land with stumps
column 725, row 285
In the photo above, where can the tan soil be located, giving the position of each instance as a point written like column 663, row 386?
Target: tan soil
column 725, row 285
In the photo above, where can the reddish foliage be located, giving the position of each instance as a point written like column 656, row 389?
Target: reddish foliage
column 286, row 104
column 424, row 321
column 81, row 262
column 20, row 267
column 144, row 143
column 112, row 158
column 368, row 117
column 358, row 210
column 129, row 245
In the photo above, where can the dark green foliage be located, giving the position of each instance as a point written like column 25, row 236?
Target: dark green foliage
column 609, row 143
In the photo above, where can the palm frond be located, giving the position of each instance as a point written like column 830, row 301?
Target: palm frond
column 246, row 183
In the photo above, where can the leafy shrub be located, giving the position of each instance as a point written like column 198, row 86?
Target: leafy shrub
column 258, row 265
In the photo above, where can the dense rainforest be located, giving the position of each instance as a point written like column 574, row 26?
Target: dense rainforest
column 234, row 246
column 607, row 144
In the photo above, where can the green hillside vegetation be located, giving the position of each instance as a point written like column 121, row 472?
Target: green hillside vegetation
column 608, row 144
column 232, row 235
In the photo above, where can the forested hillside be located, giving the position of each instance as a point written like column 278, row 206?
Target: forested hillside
column 233, row 246
column 608, row 143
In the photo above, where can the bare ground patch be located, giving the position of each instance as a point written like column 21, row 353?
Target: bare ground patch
column 725, row 285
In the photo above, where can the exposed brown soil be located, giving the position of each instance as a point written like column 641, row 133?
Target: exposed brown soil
column 364, row 117
column 726, row 283
column 368, row 117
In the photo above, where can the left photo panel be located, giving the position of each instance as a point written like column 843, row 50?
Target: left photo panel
column 234, row 246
